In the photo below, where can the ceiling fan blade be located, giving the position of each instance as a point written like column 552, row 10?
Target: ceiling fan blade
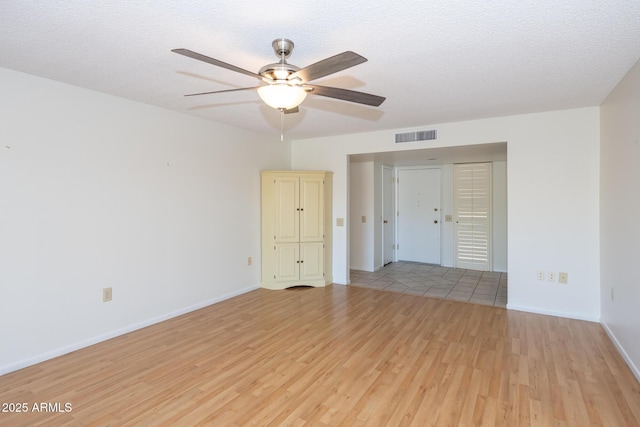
column 226, row 90
column 292, row 110
column 346, row 95
column 327, row 66
column 204, row 58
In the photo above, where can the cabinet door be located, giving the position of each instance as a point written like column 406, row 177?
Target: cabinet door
column 312, row 209
column 287, row 262
column 312, row 261
column 287, row 205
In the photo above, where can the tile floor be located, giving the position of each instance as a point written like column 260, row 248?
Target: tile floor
column 479, row 287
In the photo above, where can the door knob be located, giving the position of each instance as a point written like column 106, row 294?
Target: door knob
column 435, row 221
column 385, row 221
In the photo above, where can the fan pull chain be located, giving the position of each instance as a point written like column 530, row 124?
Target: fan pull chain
column 281, row 125
column 282, row 58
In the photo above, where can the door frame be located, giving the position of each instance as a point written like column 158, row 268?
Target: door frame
column 391, row 218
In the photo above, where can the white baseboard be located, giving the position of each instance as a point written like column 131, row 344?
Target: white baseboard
column 623, row 353
column 130, row 328
column 360, row 268
column 553, row 313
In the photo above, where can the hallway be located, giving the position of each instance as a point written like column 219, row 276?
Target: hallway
column 478, row 287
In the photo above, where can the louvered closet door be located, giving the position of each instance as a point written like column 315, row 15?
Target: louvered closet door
column 472, row 204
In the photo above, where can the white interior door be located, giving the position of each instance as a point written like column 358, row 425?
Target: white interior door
column 472, row 209
column 388, row 218
column 419, row 215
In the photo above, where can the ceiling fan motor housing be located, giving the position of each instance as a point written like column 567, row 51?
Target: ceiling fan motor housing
column 282, row 47
column 280, row 70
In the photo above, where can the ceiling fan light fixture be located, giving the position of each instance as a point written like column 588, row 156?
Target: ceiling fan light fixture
column 287, row 85
column 282, row 96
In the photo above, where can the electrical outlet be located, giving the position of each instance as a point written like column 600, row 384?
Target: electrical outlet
column 106, row 294
column 563, row 278
column 249, row 261
column 364, row 219
column 551, row 276
column 540, row 275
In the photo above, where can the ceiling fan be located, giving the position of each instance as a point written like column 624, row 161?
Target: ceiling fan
column 286, row 86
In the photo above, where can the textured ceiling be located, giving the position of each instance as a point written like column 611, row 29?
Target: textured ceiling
column 435, row 61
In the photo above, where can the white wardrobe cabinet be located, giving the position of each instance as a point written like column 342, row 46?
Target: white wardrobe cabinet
column 296, row 229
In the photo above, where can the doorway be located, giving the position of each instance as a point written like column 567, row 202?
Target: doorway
column 365, row 241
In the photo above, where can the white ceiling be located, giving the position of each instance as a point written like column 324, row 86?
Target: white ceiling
column 435, row 61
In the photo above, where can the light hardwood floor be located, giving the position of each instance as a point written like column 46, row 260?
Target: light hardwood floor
column 338, row 355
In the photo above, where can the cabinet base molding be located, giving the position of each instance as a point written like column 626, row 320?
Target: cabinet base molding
column 284, row 285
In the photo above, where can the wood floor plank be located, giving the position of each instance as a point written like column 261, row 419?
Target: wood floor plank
column 335, row 356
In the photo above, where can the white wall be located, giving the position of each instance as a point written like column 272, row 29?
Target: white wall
column 552, row 198
column 619, row 213
column 98, row 191
column 448, row 236
column 361, row 203
column 376, row 218
column 499, row 216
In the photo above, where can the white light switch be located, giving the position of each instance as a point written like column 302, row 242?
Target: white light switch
column 340, row 222
column 364, row 219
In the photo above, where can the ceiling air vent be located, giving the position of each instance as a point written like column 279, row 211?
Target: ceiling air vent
column 423, row 135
